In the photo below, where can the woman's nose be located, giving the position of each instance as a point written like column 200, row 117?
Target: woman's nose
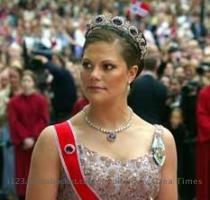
column 96, row 73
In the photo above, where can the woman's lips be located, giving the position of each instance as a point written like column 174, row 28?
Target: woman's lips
column 93, row 87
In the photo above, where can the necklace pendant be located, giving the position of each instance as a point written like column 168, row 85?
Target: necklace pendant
column 111, row 136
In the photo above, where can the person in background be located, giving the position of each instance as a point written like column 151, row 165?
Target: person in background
column 174, row 92
column 15, row 81
column 4, row 93
column 6, row 149
column 198, row 28
column 177, row 128
column 63, row 87
column 203, row 144
column 188, row 103
column 148, row 95
column 27, row 115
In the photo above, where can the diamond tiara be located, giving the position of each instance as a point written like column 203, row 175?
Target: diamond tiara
column 120, row 25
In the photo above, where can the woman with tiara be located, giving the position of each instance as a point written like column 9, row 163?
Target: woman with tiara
column 106, row 151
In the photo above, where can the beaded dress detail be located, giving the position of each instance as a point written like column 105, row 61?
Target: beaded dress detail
column 135, row 179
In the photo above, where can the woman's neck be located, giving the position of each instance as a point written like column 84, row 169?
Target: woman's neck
column 29, row 92
column 108, row 116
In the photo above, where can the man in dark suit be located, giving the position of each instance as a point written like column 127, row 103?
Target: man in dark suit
column 148, row 95
column 63, row 87
column 198, row 28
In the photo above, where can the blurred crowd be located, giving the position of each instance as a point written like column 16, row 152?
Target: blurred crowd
column 47, row 37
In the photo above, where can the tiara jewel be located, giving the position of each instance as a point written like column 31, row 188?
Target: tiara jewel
column 121, row 25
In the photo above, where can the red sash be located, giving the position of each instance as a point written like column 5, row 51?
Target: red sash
column 70, row 156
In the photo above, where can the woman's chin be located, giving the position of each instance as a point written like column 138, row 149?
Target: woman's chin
column 97, row 99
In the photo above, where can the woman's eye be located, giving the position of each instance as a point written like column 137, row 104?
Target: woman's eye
column 109, row 66
column 86, row 65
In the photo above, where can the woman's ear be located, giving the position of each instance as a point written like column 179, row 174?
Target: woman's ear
column 132, row 73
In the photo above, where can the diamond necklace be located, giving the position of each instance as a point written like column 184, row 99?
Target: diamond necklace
column 111, row 135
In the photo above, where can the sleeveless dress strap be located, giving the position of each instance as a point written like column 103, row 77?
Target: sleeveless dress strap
column 158, row 147
column 69, row 153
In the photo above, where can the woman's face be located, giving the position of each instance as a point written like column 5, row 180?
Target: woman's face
column 4, row 78
column 189, row 72
column 27, row 83
column 104, row 73
column 179, row 72
column 14, row 78
column 166, row 81
column 169, row 70
column 175, row 87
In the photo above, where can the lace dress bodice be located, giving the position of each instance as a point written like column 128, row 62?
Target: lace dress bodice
column 135, row 179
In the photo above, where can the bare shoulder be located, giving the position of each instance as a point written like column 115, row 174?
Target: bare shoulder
column 45, row 168
column 145, row 128
column 147, row 132
column 143, row 133
column 150, row 129
column 170, row 151
column 168, row 138
column 169, row 169
column 46, row 140
column 45, row 148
